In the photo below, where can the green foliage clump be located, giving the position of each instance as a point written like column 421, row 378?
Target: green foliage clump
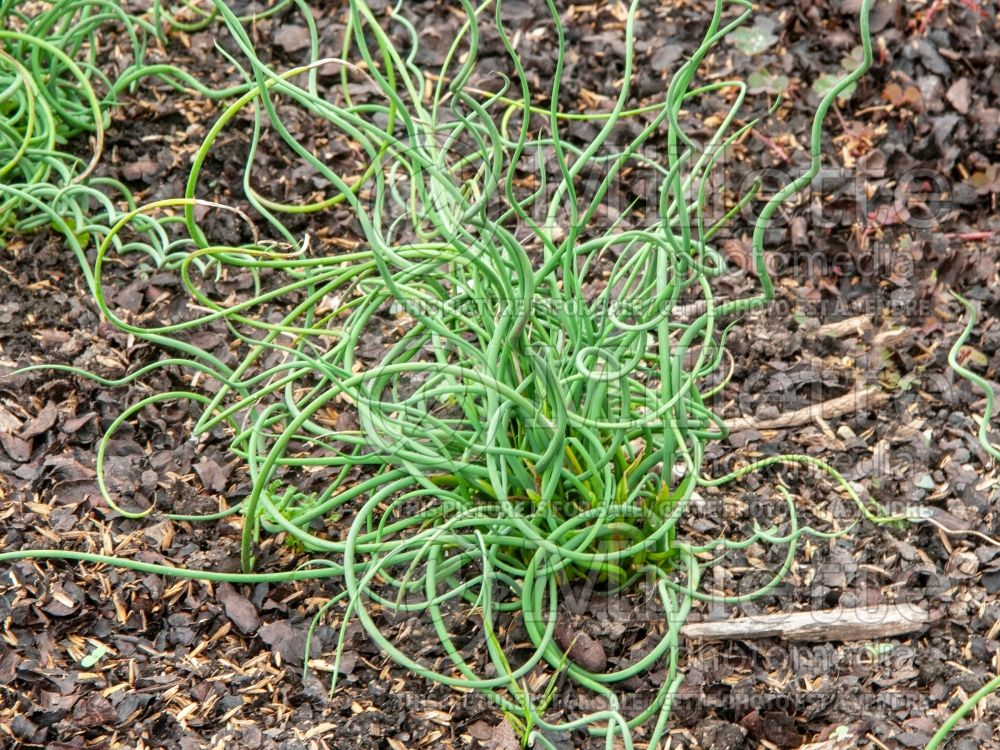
column 500, row 382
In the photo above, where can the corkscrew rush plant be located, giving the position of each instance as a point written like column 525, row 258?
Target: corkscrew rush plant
column 53, row 91
column 537, row 412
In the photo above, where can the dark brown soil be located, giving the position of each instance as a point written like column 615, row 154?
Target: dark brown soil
column 190, row 665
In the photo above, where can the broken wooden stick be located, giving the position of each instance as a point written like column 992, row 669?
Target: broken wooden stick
column 841, row 624
column 857, row 325
column 861, row 398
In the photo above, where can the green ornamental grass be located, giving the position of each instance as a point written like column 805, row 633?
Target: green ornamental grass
column 540, row 411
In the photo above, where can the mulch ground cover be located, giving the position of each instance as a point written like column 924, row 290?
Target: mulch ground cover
column 94, row 657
